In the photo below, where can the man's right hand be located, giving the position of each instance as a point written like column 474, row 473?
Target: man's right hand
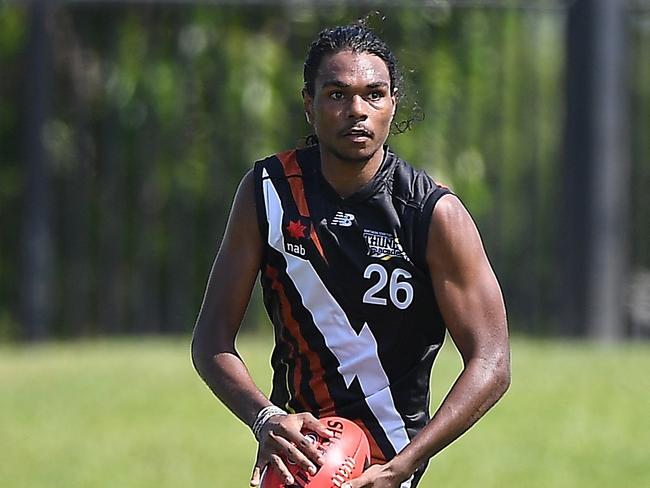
column 281, row 438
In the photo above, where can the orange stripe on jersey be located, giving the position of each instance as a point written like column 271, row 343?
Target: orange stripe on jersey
column 314, row 237
column 316, row 382
column 287, row 316
column 294, row 176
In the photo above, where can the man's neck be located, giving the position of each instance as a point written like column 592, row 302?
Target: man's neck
column 348, row 177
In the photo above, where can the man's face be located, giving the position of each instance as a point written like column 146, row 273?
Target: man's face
column 352, row 106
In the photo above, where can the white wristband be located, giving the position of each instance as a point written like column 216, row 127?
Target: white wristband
column 263, row 417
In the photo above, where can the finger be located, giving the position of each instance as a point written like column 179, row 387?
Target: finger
column 312, row 423
column 352, row 484
column 295, row 446
column 255, row 477
column 304, row 443
column 290, row 434
column 293, row 454
column 308, row 446
column 260, row 462
column 367, row 478
column 282, row 469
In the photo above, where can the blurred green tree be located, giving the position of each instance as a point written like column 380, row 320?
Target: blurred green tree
column 157, row 110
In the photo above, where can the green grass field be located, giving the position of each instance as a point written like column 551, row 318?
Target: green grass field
column 132, row 413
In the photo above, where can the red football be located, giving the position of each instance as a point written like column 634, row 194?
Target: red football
column 345, row 455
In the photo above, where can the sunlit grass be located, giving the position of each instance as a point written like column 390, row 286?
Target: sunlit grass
column 133, row 413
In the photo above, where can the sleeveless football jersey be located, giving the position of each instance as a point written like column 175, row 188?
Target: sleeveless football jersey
column 347, row 287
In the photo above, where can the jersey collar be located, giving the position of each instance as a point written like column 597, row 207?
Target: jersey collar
column 312, row 158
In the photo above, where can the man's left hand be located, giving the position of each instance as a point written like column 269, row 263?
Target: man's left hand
column 376, row 476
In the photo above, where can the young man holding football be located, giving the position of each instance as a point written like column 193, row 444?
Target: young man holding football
column 365, row 263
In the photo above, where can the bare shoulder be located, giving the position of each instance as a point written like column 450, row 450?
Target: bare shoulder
column 243, row 207
column 248, row 179
column 246, row 188
column 450, row 215
column 240, row 235
column 454, row 239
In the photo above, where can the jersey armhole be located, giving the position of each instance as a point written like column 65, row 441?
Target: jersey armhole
column 260, row 205
column 424, row 223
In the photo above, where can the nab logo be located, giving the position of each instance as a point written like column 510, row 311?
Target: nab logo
column 343, row 219
column 295, row 249
column 296, row 230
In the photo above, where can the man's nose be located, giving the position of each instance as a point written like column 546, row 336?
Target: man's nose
column 358, row 107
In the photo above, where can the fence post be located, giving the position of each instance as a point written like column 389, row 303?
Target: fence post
column 36, row 265
column 596, row 170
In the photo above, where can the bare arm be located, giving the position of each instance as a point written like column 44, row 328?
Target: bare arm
column 213, row 345
column 228, row 291
column 472, row 306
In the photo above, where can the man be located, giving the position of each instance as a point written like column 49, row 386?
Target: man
column 365, row 263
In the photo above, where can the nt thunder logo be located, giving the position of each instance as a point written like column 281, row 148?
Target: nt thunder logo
column 383, row 246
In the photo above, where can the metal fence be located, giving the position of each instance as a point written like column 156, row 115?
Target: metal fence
column 125, row 127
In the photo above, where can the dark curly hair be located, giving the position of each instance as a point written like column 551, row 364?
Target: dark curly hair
column 357, row 38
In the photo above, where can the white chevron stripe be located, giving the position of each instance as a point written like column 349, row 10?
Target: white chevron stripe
column 356, row 354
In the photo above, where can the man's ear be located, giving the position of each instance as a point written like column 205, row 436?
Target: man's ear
column 308, row 103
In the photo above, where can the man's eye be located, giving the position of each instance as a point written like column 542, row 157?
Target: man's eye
column 337, row 95
column 375, row 95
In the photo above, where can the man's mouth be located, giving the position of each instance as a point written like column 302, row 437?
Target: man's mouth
column 358, row 133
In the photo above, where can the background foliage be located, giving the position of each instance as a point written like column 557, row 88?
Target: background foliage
column 154, row 112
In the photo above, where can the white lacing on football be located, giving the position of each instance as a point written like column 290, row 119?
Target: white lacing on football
column 263, row 417
column 344, row 472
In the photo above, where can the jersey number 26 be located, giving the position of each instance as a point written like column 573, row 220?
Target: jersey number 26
column 400, row 292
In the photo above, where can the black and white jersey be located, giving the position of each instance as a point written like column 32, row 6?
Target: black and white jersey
column 347, row 287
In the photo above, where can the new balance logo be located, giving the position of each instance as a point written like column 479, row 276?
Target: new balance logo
column 343, row 219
